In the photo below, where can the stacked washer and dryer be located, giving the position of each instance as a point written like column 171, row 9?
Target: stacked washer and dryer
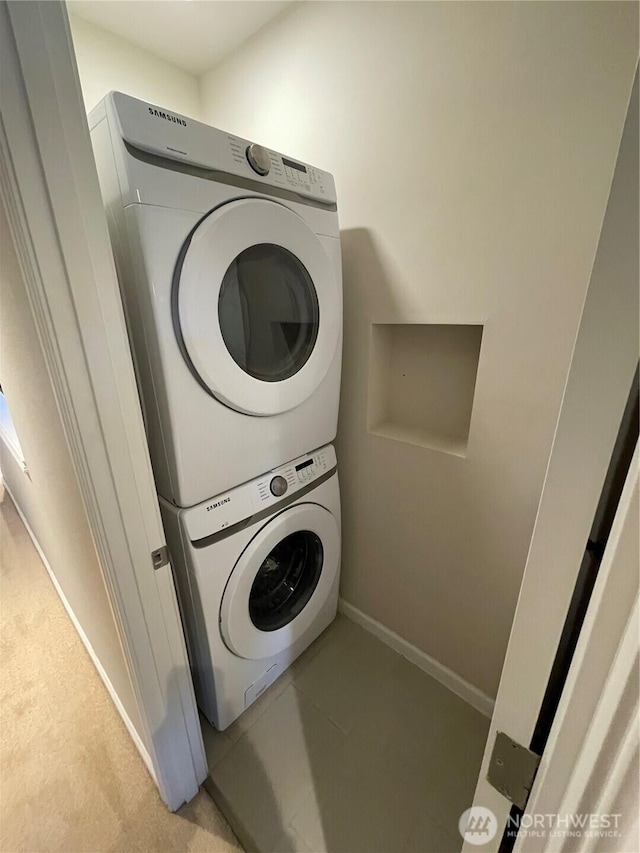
column 228, row 257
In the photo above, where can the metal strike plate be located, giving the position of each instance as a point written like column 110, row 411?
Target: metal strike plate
column 160, row 557
column 512, row 769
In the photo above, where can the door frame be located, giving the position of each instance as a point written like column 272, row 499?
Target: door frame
column 603, row 365
column 600, row 702
column 52, row 197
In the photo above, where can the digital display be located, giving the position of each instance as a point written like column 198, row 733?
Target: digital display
column 304, row 464
column 293, row 165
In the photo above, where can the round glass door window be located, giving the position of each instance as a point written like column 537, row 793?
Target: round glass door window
column 286, row 580
column 268, row 312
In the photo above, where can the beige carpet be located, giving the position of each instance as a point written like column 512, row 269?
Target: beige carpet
column 70, row 777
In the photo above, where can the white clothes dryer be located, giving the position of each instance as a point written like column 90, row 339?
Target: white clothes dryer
column 228, row 256
column 257, row 571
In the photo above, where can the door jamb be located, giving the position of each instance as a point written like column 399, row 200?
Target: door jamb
column 600, row 692
column 49, row 187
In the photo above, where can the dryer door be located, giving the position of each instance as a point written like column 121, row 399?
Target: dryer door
column 257, row 307
column 280, row 582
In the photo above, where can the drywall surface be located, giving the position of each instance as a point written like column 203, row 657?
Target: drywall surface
column 49, row 496
column 108, row 63
column 473, row 146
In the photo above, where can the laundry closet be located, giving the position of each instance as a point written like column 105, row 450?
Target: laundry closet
column 351, row 317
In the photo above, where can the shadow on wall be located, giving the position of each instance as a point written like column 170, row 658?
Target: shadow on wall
column 419, row 372
column 369, row 297
column 414, row 480
column 370, row 273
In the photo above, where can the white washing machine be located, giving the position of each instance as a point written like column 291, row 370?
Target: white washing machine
column 257, row 570
column 228, row 256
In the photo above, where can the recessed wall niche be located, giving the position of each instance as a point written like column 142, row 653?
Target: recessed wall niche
column 422, row 379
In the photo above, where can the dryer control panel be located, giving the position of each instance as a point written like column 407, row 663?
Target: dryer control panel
column 177, row 137
column 254, row 497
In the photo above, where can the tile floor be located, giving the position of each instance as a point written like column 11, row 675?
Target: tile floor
column 353, row 749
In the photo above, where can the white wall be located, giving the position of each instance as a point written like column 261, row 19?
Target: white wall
column 473, row 146
column 107, row 62
column 49, row 496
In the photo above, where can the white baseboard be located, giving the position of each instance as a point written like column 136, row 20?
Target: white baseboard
column 96, row 662
column 475, row 697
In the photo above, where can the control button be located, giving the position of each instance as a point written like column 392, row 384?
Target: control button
column 259, row 159
column 278, row 486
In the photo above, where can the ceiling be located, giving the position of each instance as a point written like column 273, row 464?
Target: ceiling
column 192, row 34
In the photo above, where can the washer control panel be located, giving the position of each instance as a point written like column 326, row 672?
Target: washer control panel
column 238, row 504
column 298, row 473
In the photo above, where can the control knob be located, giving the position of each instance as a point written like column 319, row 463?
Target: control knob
column 278, row 486
column 259, row 159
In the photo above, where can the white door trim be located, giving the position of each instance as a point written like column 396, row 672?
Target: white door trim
column 602, row 368
column 600, row 691
column 51, row 193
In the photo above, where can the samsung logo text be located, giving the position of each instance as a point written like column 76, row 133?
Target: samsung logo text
column 167, row 116
column 218, row 503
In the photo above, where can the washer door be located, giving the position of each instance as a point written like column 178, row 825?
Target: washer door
column 280, row 582
column 257, row 306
